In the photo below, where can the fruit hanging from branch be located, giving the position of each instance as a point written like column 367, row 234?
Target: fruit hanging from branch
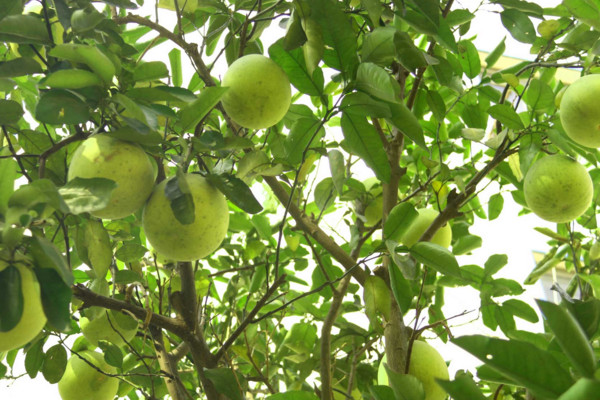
column 101, row 156
column 259, row 92
column 580, row 111
column 558, row 189
column 192, row 241
column 82, row 381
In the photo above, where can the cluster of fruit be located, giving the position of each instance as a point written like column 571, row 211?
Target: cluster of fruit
column 557, row 188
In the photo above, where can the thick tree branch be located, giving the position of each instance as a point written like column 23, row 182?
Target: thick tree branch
column 306, row 224
column 169, row 365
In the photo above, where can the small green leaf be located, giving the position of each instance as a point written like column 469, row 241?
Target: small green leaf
column 401, row 288
column 520, row 362
column 462, row 388
column 337, row 168
column 175, row 61
column 376, row 81
column 86, row 19
column 34, row 359
column 149, row 71
column 95, row 245
column 11, row 298
column 570, row 336
column 465, row 244
column 60, row 107
column 225, row 382
column 10, row 112
column 399, row 220
column 236, row 191
column 181, row 200
column 539, row 96
column 378, row 46
column 584, row 388
column 46, row 255
column 112, row 354
column 494, row 263
column 506, row 115
column 376, row 296
column 469, row 58
column 584, row 10
column 519, row 25
column 87, row 194
column 303, row 133
column 208, row 98
column 55, row 363
column 437, row 257
column 56, row 298
column 19, row 67
column 23, row 28
column 495, row 55
column 495, row 205
column 362, row 139
column 403, row 119
column 130, row 252
column 405, row 387
column 294, row 65
column 520, row 309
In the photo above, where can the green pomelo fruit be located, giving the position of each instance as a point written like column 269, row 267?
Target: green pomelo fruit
column 127, row 164
column 580, row 111
column 175, row 241
column 259, row 92
column 426, row 364
column 558, row 188
column 33, row 318
column 81, row 381
column 443, row 236
column 112, row 326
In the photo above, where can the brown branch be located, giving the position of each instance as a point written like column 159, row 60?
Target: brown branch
column 307, row 225
column 44, row 156
column 189, row 310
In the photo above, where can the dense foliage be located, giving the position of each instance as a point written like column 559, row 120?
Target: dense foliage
column 393, row 111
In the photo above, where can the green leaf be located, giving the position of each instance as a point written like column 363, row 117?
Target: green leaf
column 93, row 246
column 208, row 98
column 60, row 107
column 56, row 298
column 539, row 96
column 401, row 288
column 9, row 173
column 380, row 392
column 469, row 58
column 587, row 11
column 180, row 200
column 403, row 261
column 303, row 133
column 293, row 395
column 338, row 35
column 71, row 79
column 10, row 7
column 22, row 28
column 584, row 388
column 429, row 8
column 403, row 119
column 149, row 71
column 130, row 252
column 379, row 47
column 11, row 298
column 399, row 220
column 112, row 354
column 495, row 263
column 55, row 363
column 225, row 382
column 34, row 359
column 363, row 104
column 324, row 194
column 519, row 25
column 294, row 65
column 10, row 112
column 86, row 19
column 409, row 55
column 337, row 169
column 91, row 56
column 570, row 336
column 495, row 205
column 175, row 61
column 362, row 139
column 507, row 116
column 19, row 67
column 465, row 244
column 495, row 55
column 376, row 296
column 405, row 387
column 437, row 257
column 520, row 309
column 462, row 388
column 87, row 194
column 46, row 255
column 236, row 191
column 376, row 81
column 520, row 362
column 126, row 276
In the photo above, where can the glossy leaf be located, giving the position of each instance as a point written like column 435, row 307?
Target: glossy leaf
column 87, row 194
column 437, row 257
column 55, row 363
column 208, row 98
column 237, row 192
column 19, row 67
column 46, row 255
column 294, row 65
column 23, row 29
column 11, row 298
column 519, row 25
column 56, row 298
column 462, row 388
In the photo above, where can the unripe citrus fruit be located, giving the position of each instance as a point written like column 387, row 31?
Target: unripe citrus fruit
column 580, row 111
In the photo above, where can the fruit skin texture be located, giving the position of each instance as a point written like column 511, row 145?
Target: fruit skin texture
column 175, row 241
column 100, row 328
column 127, row 164
column 443, row 236
column 426, row 364
column 81, row 381
column 33, row 318
column 558, row 188
column 580, row 111
column 259, row 92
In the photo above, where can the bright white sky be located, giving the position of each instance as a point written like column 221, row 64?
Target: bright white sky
column 508, row 234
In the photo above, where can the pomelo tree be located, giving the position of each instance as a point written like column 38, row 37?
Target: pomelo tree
column 392, row 109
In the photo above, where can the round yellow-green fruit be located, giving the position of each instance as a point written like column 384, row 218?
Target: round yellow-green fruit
column 33, row 318
column 580, row 111
column 259, row 93
column 557, row 188
column 417, row 228
column 110, row 325
column 81, row 381
column 175, row 241
column 101, row 156
column 426, row 364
